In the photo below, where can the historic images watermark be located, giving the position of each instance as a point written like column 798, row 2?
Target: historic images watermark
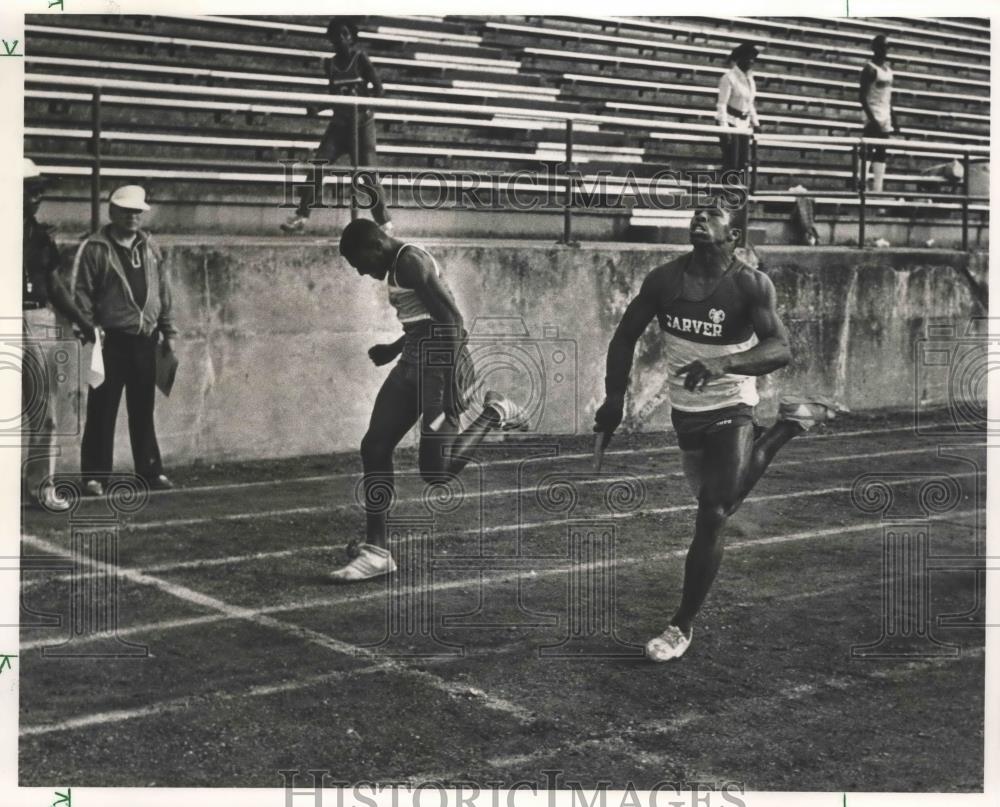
column 549, row 188
column 562, row 528
column 91, row 620
column 951, row 371
column 310, row 787
column 43, row 360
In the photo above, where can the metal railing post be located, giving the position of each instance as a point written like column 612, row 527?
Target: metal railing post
column 862, row 194
column 966, row 165
column 355, row 120
column 95, row 169
column 568, row 208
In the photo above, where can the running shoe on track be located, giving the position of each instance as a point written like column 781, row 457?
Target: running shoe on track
column 512, row 416
column 668, row 645
column 371, row 562
column 808, row 411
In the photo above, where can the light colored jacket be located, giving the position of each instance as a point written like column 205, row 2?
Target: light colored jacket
column 737, row 91
column 105, row 297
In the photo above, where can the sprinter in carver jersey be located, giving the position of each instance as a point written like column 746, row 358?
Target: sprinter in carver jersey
column 721, row 330
column 431, row 382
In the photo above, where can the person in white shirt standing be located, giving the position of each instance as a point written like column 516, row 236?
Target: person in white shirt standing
column 876, row 101
column 736, row 109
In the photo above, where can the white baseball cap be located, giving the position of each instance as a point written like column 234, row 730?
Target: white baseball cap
column 131, row 197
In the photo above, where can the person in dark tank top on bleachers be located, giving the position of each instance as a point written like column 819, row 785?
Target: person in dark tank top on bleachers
column 350, row 72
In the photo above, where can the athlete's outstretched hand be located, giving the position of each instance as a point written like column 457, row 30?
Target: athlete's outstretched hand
column 698, row 373
column 383, row 354
column 609, row 414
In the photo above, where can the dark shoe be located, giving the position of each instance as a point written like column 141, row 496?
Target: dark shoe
column 160, row 483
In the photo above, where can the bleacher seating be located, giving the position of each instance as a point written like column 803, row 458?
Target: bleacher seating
column 496, row 74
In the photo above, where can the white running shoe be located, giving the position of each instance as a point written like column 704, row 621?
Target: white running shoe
column 512, row 416
column 668, row 645
column 371, row 561
column 808, row 411
column 388, row 228
column 295, row 225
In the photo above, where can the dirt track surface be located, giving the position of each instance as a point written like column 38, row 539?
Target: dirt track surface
column 497, row 652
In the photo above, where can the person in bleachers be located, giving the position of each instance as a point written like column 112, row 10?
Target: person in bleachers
column 876, row 101
column 736, row 109
column 350, row 72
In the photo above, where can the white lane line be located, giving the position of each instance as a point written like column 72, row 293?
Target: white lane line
column 229, row 611
column 379, row 592
column 682, row 508
column 176, row 705
column 736, row 707
column 512, row 461
column 283, row 553
column 137, row 526
column 263, row 690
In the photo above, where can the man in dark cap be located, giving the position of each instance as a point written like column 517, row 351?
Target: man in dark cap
column 42, row 290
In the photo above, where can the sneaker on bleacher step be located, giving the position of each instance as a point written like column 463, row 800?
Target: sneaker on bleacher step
column 295, row 225
column 388, row 228
column 807, row 411
column 512, row 416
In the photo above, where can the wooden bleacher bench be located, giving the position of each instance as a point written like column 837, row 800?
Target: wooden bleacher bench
column 451, row 65
column 522, row 89
column 710, row 92
column 851, row 70
column 770, row 43
column 764, row 80
column 842, row 33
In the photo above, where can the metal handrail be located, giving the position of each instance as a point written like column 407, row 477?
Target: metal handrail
column 858, row 145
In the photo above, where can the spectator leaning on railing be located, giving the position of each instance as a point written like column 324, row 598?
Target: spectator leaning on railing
column 875, row 94
column 736, row 108
column 350, row 73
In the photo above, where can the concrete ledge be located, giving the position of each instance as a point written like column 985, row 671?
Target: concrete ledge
column 275, row 334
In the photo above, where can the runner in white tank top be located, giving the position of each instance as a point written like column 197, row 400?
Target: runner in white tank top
column 875, row 95
column 429, row 383
column 721, row 330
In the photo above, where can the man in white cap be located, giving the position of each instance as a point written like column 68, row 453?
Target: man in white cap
column 42, row 290
column 122, row 283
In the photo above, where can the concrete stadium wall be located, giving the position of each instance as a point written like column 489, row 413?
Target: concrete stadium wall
column 274, row 336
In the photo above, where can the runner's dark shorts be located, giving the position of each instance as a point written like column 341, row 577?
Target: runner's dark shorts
column 420, row 374
column 691, row 427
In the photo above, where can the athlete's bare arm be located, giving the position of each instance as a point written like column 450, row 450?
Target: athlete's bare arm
column 639, row 313
column 415, row 270
column 370, row 75
column 383, row 354
column 867, row 79
column 769, row 354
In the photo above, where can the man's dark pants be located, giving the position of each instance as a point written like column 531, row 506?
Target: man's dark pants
column 129, row 364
